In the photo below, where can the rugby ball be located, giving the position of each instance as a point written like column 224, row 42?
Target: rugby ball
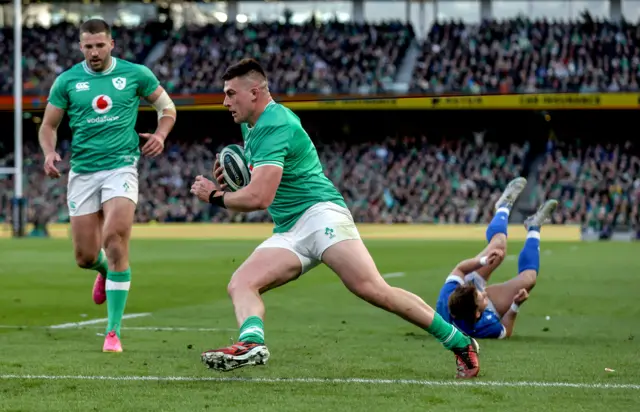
column 234, row 167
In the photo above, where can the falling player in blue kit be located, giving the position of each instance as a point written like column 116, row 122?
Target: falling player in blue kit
column 490, row 312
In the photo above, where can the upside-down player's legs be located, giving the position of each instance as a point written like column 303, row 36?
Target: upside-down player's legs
column 496, row 233
column 501, row 295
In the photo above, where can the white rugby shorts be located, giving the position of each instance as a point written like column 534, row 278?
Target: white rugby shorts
column 86, row 192
column 320, row 227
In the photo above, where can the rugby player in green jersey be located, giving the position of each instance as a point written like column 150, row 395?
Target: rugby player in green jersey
column 312, row 226
column 101, row 96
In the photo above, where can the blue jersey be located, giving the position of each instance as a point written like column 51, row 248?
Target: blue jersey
column 487, row 327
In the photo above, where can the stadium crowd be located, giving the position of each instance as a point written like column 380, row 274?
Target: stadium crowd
column 523, row 56
column 400, row 180
column 332, row 57
column 413, row 180
column 506, row 56
column 598, row 186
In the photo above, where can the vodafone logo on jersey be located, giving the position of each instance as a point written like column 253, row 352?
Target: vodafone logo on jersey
column 102, row 104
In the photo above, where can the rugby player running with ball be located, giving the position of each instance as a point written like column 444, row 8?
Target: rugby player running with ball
column 312, row 226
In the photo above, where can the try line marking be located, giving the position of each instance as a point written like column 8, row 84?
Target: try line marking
column 450, row 383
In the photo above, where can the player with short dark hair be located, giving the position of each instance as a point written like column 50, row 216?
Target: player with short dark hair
column 101, row 95
column 312, row 225
column 483, row 311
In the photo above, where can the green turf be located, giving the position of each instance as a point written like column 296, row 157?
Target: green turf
column 315, row 329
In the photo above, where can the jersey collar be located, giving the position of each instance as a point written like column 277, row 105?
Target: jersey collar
column 110, row 69
column 271, row 103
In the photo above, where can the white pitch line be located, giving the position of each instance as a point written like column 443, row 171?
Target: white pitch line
column 94, row 321
column 393, row 275
column 143, row 328
column 171, row 329
column 450, row 383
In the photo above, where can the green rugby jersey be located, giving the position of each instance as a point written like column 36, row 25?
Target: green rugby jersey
column 103, row 109
column 278, row 139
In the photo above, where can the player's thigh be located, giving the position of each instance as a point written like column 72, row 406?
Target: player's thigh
column 502, row 294
column 353, row 263
column 272, row 264
column 86, row 232
column 119, row 199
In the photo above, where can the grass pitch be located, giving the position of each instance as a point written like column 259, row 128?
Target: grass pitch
column 330, row 351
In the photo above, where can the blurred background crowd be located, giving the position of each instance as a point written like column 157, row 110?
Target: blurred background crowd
column 428, row 177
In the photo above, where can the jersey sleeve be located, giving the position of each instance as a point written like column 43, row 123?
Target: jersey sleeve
column 58, row 96
column 270, row 145
column 489, row 327
column 147, row 82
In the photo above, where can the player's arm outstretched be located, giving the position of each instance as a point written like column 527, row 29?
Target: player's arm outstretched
column 158, row 98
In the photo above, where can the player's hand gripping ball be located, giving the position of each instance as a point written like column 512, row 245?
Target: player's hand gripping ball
column 231, row 169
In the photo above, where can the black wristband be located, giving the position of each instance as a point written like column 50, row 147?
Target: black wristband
column 217, row 200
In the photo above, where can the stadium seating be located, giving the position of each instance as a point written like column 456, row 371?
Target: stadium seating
column 521, row 56
column 335, row 57
column 413, row 181
column 597, row 186
column 48, row 52
column 409, row 180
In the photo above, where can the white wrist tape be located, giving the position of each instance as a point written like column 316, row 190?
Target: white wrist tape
column 163, row 103
column 515, row 307
column 484, row 261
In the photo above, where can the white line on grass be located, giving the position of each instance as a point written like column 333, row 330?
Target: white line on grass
column 142, row 328
column 525, row 384
column 178, row 329
column 94, row 321
column 393, row 275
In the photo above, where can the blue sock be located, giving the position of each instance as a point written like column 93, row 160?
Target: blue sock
column 498, row 223
column 530, row 255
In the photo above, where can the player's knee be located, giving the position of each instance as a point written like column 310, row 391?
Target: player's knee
column 115, row 245
column 530, row 278
column 86, row 258
column 237, row 286
column 377, row 293
column 500, row 243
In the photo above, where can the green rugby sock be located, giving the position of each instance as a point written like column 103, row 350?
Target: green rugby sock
column 447, row 334
column 252, row 330
column 117, row 292
column 101, row 264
